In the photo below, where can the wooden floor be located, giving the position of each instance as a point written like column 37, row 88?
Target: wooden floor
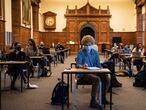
column 125, row 98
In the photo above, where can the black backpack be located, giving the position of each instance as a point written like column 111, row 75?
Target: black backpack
column 57, row 93
column 139, row 79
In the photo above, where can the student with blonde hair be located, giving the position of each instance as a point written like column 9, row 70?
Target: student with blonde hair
column 89, row 57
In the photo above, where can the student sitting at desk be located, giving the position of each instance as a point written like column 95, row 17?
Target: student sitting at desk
column 15, row 70
column 43, row 50
column 138, row 50
column 88, row 57
column 60, row 47
column 126, row 58
column 31, row 50
column 115, row 53
column 46, row 60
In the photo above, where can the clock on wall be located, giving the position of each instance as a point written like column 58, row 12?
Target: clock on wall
column 49, row 20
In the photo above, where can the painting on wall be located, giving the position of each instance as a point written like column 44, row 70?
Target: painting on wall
column 26, row 12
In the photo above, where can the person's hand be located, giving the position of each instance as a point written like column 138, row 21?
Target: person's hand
column 85, row 65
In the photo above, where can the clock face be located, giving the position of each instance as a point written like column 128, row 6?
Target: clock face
column 50, row 21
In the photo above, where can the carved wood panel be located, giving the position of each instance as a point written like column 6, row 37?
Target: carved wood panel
column 96, row 19
column 72, row 26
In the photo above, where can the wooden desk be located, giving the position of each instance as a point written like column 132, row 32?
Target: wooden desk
column 49, row 55
column 125, row 55
column 14, row 63
column 142, row 56
column 71, row 71
column 38, row 59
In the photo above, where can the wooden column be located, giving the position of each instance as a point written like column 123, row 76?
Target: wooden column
column 35, row 16
column 16, row 20
column 2, row 35
column 139, row 24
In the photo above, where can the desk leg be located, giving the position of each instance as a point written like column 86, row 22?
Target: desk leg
column 21, row 82
column 50, row 68
column 100, row 93
column 39, row 70
column 28, row 79
column 68, row 91
column 111, row 91
column 0, row 78
column 71, row 83
column 62, row 91
column 145, row 76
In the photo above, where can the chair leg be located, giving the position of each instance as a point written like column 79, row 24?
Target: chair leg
column 76, row 86
column 5, row 80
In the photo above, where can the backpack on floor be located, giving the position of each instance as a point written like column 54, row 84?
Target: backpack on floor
column 139, row 79
column 57, row 93
column 44, row 72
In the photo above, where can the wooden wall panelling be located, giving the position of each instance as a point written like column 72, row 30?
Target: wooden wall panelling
column 127, row 37
column 16, row 20
column 16, row 13
column 53, row 37
column 36, row 37
column 24, row 35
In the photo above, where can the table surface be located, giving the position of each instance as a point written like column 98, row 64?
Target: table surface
column 36, row 57
column 12, row 62
column 81, row 70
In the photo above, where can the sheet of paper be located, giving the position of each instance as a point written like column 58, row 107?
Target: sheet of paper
column 93, row 68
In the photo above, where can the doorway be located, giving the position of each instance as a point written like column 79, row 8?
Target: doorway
column 87, row 31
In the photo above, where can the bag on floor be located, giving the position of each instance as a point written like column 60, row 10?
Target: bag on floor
column 139, row 79
column 44, row 72
column 57, row 93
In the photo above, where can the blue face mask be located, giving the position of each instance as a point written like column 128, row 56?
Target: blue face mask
column 88, row 48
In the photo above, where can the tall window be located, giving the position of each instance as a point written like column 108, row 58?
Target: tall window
column 8, row 38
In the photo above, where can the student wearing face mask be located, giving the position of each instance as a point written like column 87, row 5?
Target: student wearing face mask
column 31, row 49
column 89, row 57
column 15, row 70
